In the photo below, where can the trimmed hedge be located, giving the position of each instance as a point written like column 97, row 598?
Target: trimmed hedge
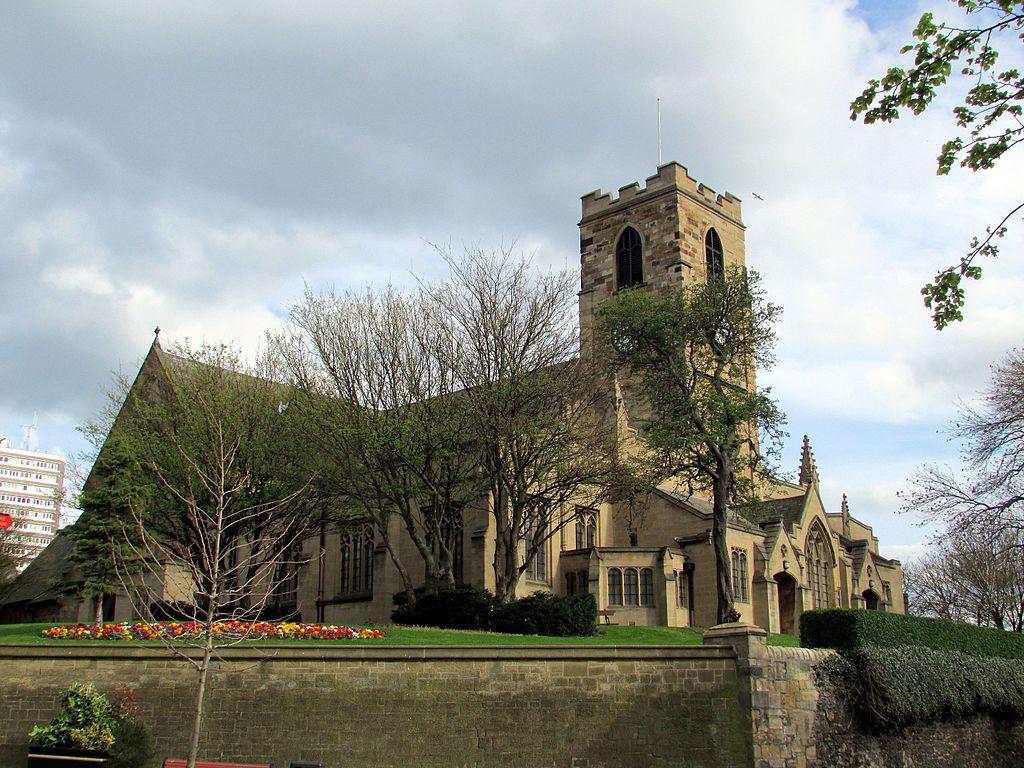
column 850, row 629
column 889, row 688
column 461, row 608
column 469, row 608
column 545, row 614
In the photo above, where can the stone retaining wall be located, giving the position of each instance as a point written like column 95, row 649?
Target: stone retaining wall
column 798, row 721
column 486, row 707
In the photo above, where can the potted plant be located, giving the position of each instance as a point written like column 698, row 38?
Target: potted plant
column 80, row 735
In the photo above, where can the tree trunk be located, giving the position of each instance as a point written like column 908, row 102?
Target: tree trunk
column 197, row 720
column 97, row 605
column 403, row 574
column 719, row 529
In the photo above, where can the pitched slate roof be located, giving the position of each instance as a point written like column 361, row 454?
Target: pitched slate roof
column 786, row 511
column 35, row 583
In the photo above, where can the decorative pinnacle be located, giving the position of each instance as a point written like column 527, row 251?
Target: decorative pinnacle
column 845, row 507
column 156, row 336
column 808, row 469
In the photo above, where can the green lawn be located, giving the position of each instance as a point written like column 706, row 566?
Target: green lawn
column 607, row 635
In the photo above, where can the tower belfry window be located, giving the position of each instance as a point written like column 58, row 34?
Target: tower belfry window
column 629, row 257
column 714, row 258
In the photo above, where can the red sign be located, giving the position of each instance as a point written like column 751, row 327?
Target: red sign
column 5, row 521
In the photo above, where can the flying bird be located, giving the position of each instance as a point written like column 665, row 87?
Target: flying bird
column 757, row 196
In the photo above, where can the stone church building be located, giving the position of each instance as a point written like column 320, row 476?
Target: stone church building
column 652, row 566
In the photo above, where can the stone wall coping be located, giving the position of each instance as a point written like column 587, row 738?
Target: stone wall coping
column 736, row 629
column 806, row 654
column 384, row 653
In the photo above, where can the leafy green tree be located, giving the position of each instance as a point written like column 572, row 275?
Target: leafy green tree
column 691, row 354
column 220, row 492
column 101, row 550
column 989, row 114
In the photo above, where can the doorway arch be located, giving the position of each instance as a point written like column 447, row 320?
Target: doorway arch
column 787, row 602
column 871, row 600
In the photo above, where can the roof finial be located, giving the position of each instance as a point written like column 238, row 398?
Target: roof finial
column 808, row 469
column 156, row 336
column 845, row 507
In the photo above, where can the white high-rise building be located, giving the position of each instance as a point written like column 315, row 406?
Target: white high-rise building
column 31, row 488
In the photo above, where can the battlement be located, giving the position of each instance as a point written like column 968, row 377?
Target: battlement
column 669, row 175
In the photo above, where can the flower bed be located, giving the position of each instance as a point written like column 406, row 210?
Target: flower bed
column 187, row 630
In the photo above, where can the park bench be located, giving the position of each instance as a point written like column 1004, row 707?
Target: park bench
column 607, row 614
column 206, row 764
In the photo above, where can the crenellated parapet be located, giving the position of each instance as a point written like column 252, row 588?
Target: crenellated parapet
column 670, row 176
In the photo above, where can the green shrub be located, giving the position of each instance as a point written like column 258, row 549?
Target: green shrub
column 889, row 688
column 845, row 629
column 469, row 608
column 462, row 608
column 86, row 721
column 545, row 614
column 133, row 747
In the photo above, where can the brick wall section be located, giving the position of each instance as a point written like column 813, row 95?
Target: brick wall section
column 572, row 707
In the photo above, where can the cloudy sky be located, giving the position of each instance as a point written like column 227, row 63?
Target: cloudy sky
column 189, row 165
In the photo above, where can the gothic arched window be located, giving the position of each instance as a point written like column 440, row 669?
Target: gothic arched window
column 629, row 257
column 714, row 257
column 740, row 576
column 819, row 567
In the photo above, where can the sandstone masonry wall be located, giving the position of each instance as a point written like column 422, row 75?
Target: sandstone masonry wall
column 483, row 707
column 798, row 721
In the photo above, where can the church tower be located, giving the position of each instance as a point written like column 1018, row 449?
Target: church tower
column 674, row 230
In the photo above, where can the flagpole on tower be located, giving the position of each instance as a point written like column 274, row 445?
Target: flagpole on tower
column 659, row 131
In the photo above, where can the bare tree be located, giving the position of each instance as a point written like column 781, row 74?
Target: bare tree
column 220, row 501
column 987, row 493
column 379, row 396
column 536, row 405
column 971, row 578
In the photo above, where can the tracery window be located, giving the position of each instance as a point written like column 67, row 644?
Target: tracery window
column 714, row 257
column 570, row 583
column 536, row 546
column 819, row 567
column 356, row 563
column 629, row 257
column 583, row 583
column 586, row 529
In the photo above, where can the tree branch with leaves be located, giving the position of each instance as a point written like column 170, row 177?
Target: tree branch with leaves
column 990, row 115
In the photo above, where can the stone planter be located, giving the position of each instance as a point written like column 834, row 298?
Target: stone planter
column 65, row 757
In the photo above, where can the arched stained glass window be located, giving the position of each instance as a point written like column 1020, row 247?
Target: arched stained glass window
column 368, row 563
column 819, row 567
column 629, row 258
column 714, row 257
column 346, row 564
